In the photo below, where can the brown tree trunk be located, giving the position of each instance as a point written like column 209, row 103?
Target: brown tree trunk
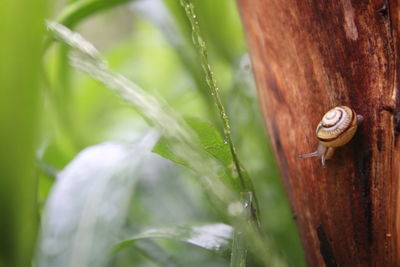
column 309, row 56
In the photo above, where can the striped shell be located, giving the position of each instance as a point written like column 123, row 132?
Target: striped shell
column 337, row 127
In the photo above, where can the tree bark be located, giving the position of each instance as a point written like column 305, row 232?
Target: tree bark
column 309, row 56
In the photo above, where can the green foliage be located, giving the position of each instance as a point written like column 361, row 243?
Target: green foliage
column 101, row 198
column 210, row 140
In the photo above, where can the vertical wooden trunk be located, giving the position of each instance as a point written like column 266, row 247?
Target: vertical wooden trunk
column 309, row 56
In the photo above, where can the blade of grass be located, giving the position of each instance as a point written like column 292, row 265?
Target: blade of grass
column 220, row 23
column 21, row 34
column 200, row 44
column 80, row 10
column 239, row 250
column 214, row 237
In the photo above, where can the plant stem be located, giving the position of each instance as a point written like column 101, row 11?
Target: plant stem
column 200, row 44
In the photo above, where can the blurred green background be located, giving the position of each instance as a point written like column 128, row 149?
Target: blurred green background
column 50, row 112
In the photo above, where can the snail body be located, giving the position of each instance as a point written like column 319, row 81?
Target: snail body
column 337, row 128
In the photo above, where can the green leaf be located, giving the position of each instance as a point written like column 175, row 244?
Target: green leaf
column 80, row 10
column 21, row 33
column 163, row 149
column 214, row 237
column 213, row 143
column 209, row 138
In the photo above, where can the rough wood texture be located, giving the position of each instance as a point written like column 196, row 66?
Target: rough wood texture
column 309, row 56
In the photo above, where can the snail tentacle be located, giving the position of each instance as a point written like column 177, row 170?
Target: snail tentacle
column 323, row 160
column 309, row 155
column 360, row 118
column 321, row 150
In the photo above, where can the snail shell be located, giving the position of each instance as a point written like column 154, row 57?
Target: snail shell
column 336, row 128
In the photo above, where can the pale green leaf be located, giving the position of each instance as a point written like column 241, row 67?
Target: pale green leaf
column 88, row 204
column 214, row 237
column 209, row 138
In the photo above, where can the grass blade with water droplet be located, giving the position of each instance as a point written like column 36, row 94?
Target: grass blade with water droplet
column 239, row 250
column 200, row 44
column 215, row 237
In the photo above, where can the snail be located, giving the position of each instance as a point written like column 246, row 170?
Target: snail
column 336, row 128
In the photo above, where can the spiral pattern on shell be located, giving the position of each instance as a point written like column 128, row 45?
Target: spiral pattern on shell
column 337, row 126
